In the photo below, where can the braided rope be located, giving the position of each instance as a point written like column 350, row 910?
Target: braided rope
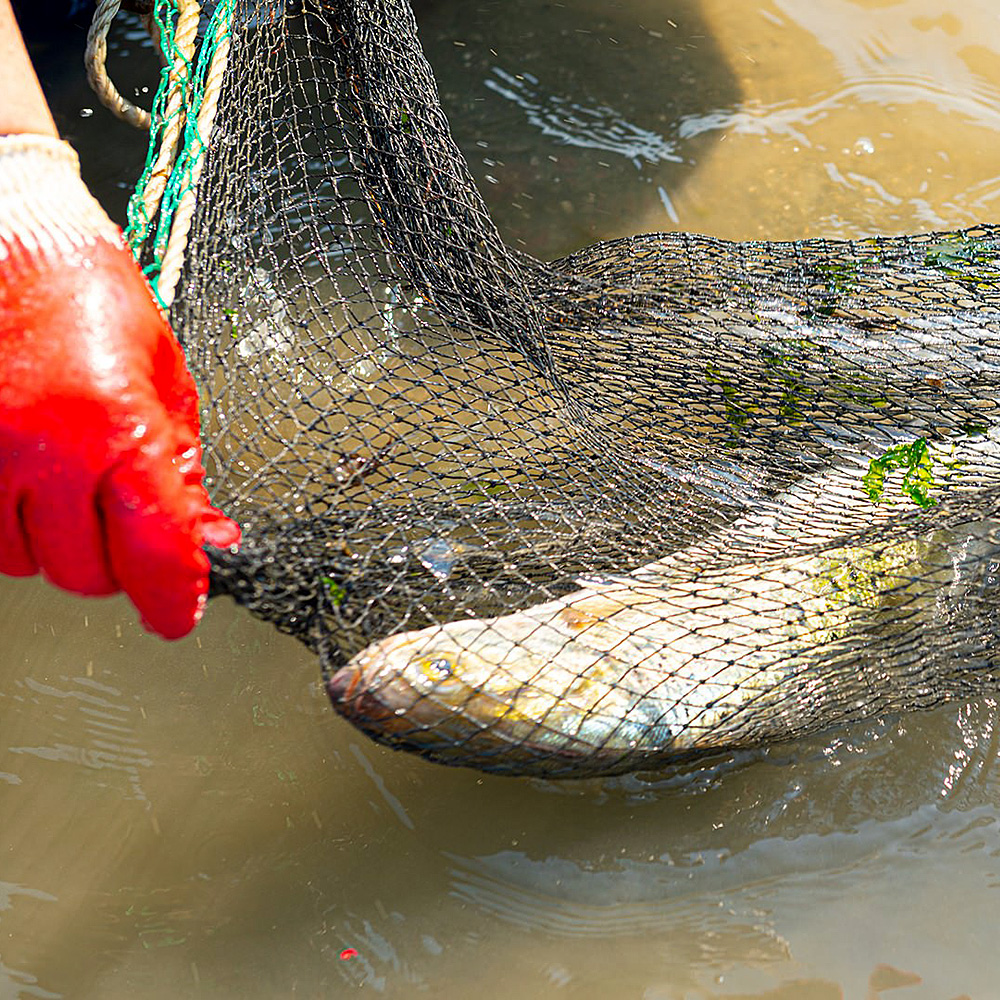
column 185, row 111
column 95, row 60
column 178, row 84
column 173, row 255
column 178, row 92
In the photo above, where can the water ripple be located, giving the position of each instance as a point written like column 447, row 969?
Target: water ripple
column 574, row 124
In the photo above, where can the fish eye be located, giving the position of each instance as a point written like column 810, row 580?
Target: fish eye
column 437, row 668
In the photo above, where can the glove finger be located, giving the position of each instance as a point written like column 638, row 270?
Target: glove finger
column 219, row 530
column 66, row 537
column 178, row 394
column 16, row 558
column 154, row 536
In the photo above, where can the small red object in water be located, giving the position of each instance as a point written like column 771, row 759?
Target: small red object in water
column 349, row 953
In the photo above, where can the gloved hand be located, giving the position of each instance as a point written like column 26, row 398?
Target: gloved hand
column 101, row 483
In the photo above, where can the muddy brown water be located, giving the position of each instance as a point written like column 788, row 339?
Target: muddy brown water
column 191, row 819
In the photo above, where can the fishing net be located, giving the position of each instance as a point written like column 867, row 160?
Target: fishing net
column 663, row 496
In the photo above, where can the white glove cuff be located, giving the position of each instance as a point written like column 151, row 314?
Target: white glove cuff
column 45, row 208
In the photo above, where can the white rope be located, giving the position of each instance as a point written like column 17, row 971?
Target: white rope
column 178, row 85
column 173, row 256
column 97, row 74
column 174, row 117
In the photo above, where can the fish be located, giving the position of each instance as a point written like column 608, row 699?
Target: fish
column 635, row 672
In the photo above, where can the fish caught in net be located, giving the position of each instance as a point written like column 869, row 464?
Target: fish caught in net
column 666, row 495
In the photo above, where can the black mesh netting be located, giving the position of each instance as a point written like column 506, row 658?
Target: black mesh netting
column 665, row 495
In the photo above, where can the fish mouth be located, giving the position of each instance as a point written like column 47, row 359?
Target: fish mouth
column 363, row 707
column 343, row 689
column 358, row 694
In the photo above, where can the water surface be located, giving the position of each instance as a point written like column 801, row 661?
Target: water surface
column 191, row 819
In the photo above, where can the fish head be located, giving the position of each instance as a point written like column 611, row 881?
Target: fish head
column 421, row 690
column 475, row 694
column 465, row 694
column 403, row 670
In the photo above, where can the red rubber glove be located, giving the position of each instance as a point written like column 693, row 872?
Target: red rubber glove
column 101, row 483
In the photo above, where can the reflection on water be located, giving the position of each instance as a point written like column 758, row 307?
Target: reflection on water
column 885, row 114
column 191, row 819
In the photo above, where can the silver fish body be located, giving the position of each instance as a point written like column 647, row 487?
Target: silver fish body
column 635, row 672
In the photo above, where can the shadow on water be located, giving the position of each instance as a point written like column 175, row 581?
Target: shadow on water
column 545, row 137
column 111, row 152
column 562, row 126
column 191, row 819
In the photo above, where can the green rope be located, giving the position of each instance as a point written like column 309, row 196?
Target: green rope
column 147, row 233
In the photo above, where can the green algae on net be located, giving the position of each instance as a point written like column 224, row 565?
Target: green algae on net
column 916, row 461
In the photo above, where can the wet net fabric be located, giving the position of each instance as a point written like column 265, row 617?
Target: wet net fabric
column 664, row 496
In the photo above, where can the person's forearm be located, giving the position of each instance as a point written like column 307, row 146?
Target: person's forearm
column 22, row 104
